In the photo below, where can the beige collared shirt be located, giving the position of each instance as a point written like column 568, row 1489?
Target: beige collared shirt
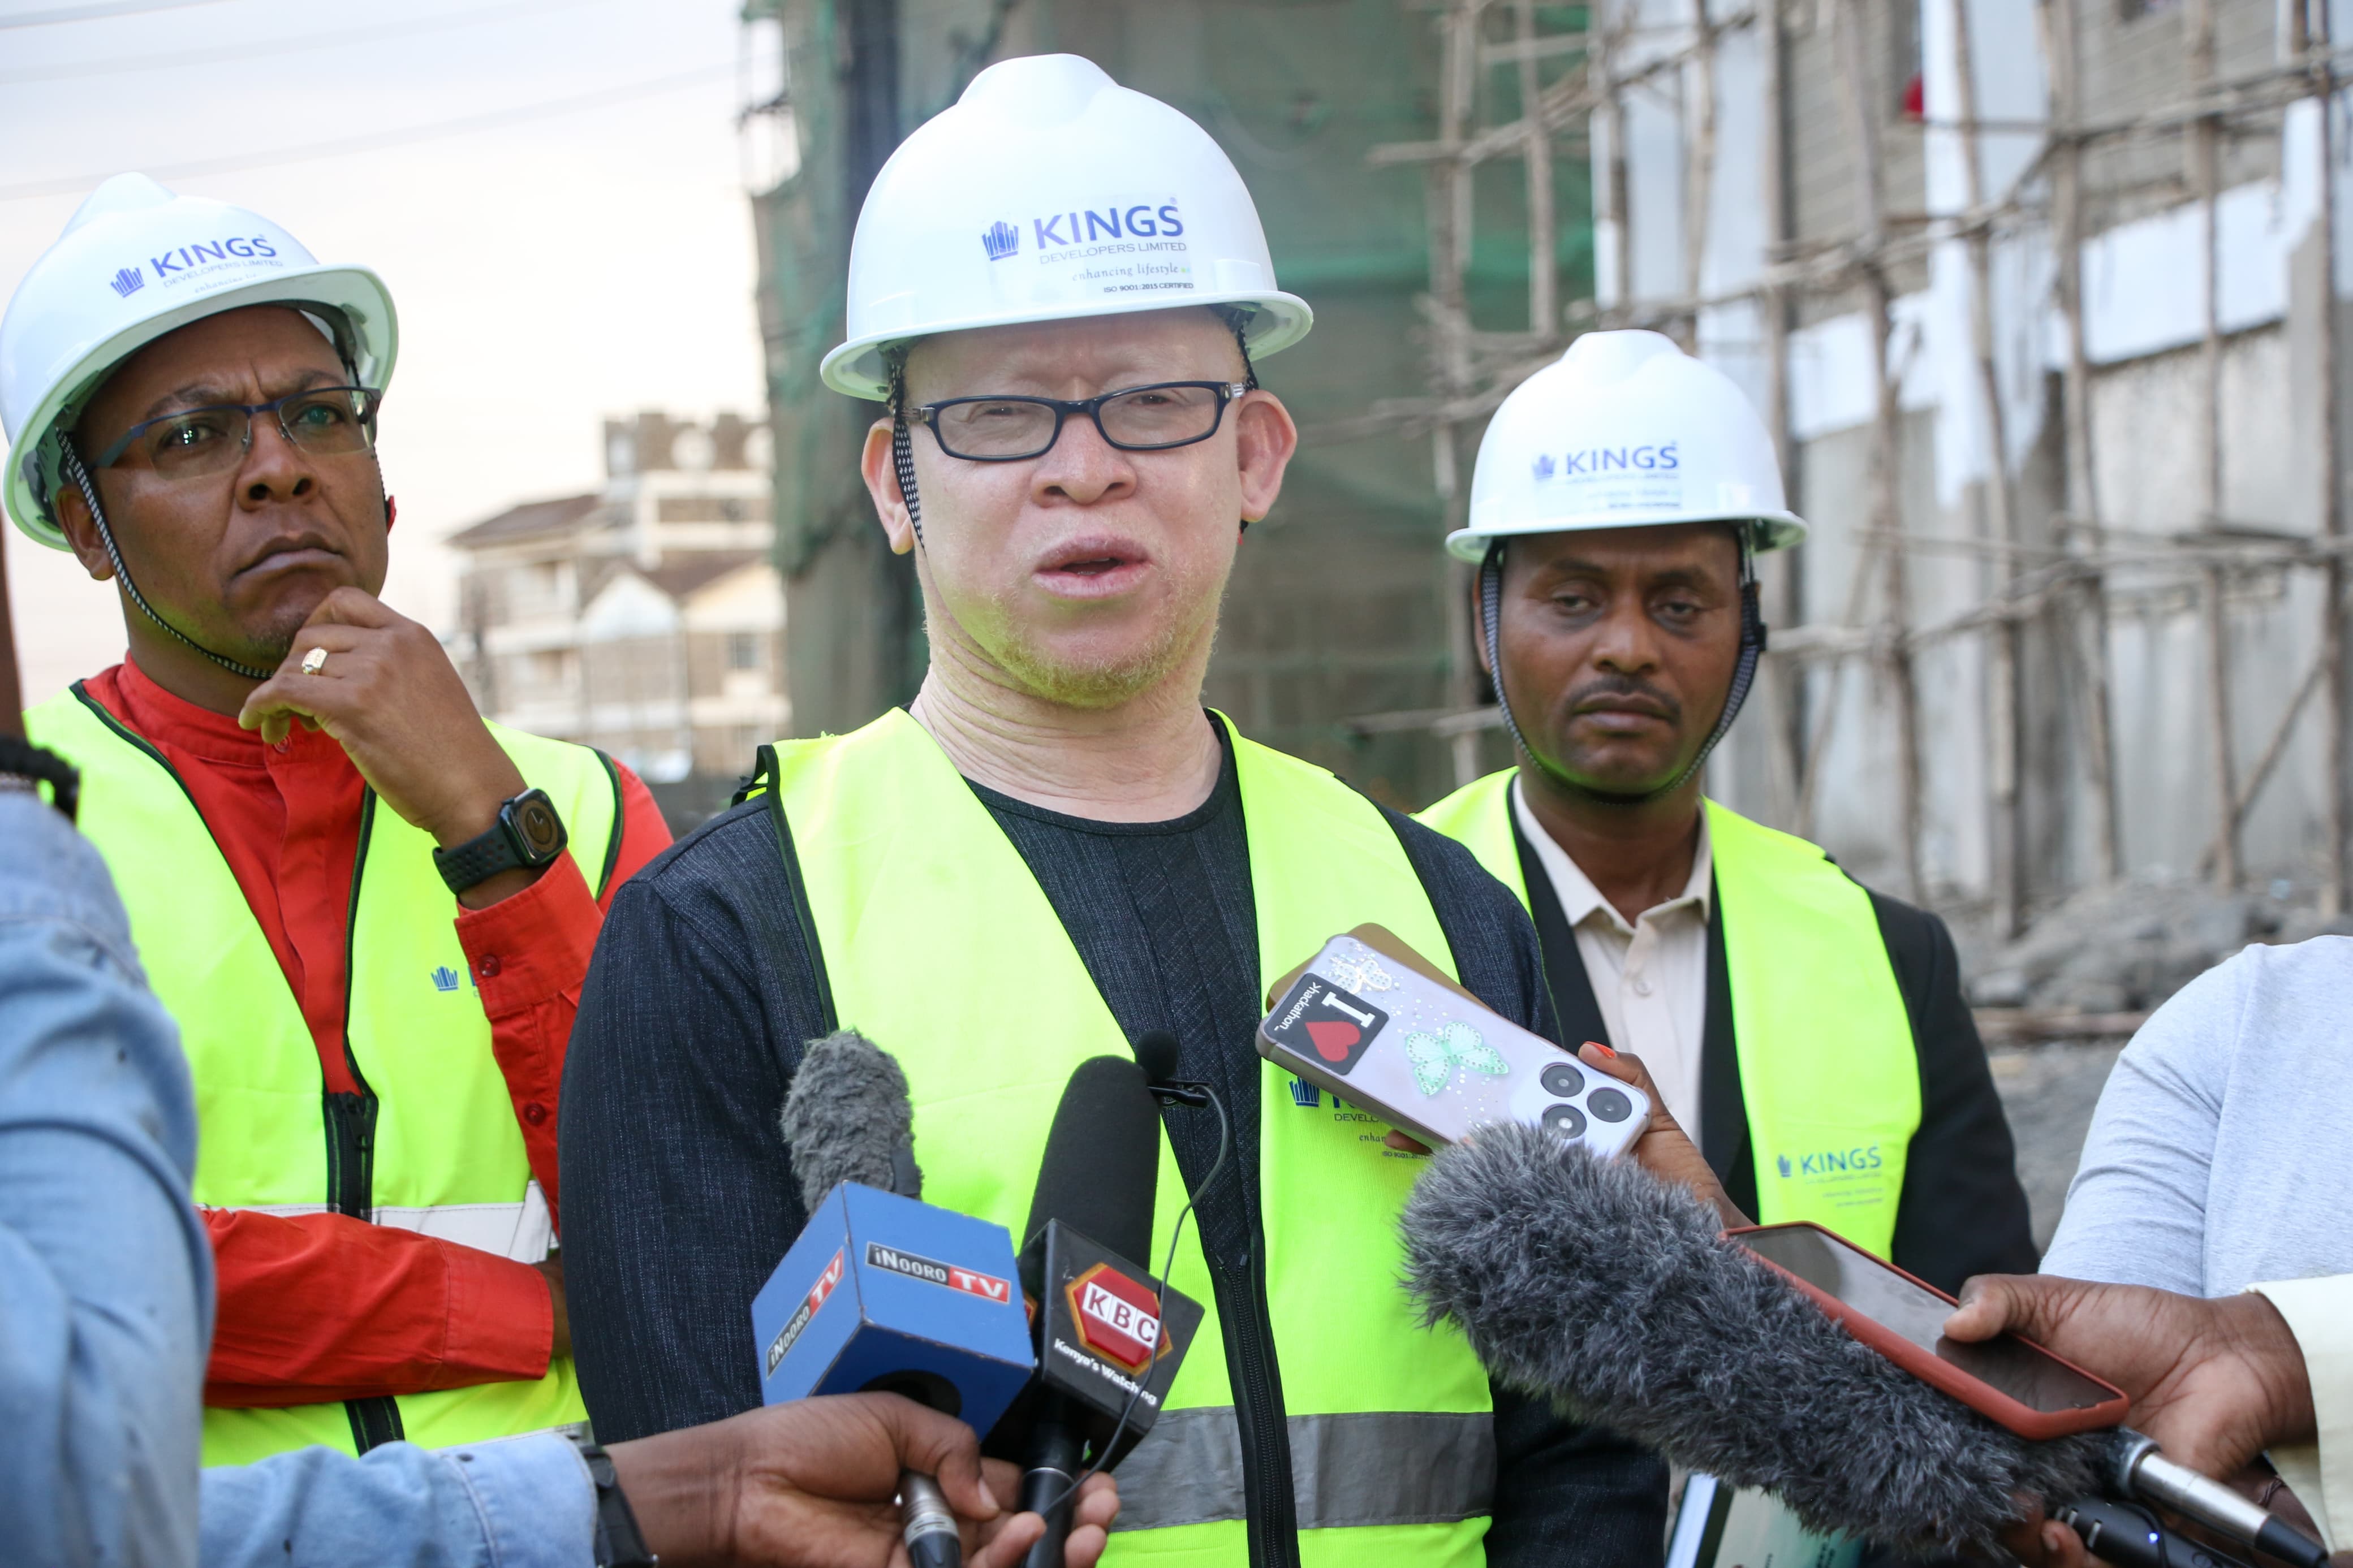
column 2319, row 1312
column 1649, row 977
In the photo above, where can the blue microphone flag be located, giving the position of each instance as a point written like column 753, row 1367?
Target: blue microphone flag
column 885, row 1292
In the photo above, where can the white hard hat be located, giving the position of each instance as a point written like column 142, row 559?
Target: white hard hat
column 135, row 262
column 1048, row 192
column 1625, row 430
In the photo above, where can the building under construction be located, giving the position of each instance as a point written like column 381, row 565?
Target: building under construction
column 2040, row 298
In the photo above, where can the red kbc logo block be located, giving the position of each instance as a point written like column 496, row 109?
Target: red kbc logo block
column 1116, row 1317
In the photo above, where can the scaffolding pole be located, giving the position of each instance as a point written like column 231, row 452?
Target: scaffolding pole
column 2005, row 666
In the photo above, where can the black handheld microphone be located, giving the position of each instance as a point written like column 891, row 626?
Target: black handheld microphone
column 1596, row 1285
column 1110, row 1334
column 925, row 1296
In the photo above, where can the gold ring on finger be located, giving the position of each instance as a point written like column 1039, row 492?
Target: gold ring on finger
column 314, row 662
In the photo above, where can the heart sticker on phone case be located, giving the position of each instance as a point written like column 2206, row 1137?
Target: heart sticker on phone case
column 1320, row 1020
column 1333, row 1039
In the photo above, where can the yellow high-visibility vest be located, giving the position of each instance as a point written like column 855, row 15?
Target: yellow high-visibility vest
column 432, row 1146
column 940, row 946
column 1828, row 1067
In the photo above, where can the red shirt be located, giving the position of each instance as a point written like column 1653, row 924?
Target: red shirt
column 325, row 1307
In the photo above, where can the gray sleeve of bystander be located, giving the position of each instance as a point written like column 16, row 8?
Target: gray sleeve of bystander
column 2136, row 1209
column 2218, row 1156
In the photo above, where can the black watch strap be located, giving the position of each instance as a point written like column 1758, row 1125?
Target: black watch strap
column 528, row 833
column 619, row 1543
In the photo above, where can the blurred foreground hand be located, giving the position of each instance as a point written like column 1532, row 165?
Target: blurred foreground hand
column 811, row 1485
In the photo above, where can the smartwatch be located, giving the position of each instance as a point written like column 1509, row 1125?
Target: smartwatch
column 527, row 836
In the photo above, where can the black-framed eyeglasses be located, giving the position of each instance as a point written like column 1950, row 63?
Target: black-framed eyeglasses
column 326, row 421
column 1134, row 419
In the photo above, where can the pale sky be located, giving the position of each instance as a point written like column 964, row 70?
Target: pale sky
column 548, row 273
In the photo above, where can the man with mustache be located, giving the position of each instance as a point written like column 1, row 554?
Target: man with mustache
column 1809, row 1032
column 1057, row 291
column 369, row 911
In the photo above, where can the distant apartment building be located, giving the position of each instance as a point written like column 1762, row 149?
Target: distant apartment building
column 645, row 618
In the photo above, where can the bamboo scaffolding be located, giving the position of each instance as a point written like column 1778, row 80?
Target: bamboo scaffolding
column 2066, row 582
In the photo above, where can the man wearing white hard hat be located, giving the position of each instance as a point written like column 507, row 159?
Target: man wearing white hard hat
column 369, row 911
column 1058, row 287
column 1809, row 1032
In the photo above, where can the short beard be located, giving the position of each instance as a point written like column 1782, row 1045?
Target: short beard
column 265, row 644
column 1098, row 685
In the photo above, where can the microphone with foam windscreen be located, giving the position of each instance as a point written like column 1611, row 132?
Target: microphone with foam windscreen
column 881, row 1292
column 1597, row 1286
column 1110, row 1336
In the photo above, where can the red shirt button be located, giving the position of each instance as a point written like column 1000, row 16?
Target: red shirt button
column 490, row 966
column 534, row 1113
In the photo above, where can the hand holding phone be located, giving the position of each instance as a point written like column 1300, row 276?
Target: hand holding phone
column 1378, row 1025
column 2013, row 1381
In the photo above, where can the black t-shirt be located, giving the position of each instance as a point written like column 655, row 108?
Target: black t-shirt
column 1162, row 914
column 677, row 1191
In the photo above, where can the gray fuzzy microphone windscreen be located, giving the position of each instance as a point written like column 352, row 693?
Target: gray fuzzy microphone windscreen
column 847, row 1119
column 1614, row 1295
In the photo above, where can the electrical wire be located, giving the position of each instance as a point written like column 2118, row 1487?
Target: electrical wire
column 98, row 13
column 71, row 70
column 344, row 146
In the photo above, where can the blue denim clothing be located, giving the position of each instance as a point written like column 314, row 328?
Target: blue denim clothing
column 106, row 1296
column 105, row 1274
column 520, row 1502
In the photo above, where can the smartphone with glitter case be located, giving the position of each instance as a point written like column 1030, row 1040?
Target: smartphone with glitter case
column 1378, row 1025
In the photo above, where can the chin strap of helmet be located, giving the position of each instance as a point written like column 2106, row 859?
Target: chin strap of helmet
column 1743, row 673
column 71, row 462
column 902, row 443
column 1239, row 321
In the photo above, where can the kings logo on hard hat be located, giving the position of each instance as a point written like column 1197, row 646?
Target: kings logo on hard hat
column 1088, row 200
column 1625, row 430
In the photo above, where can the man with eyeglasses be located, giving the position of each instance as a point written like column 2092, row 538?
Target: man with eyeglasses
column 1054, row 849
column 370, row 911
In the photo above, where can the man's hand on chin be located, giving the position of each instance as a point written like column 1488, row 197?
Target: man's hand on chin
column 812, row 1485
column 384, row 687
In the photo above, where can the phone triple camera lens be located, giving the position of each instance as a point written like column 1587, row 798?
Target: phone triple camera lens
column 1561, row 1079
column 1609, row 1104
column 1566, row 1120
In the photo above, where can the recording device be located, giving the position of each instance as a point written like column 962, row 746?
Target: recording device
column 881, row 1292
column 2015, row 1382
column 1373, row 1022
column 2130, row 1536
column 1110, row 1336
column 1591, row 1283
column 2027, row 1389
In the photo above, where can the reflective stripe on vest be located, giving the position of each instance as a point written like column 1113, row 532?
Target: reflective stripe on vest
column 940, row 945
column 1828, row 1067
column 1371, row 1467
column 444, row 1155
column 523, row 1231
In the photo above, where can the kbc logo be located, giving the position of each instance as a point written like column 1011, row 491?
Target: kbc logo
column 1116, row 1317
